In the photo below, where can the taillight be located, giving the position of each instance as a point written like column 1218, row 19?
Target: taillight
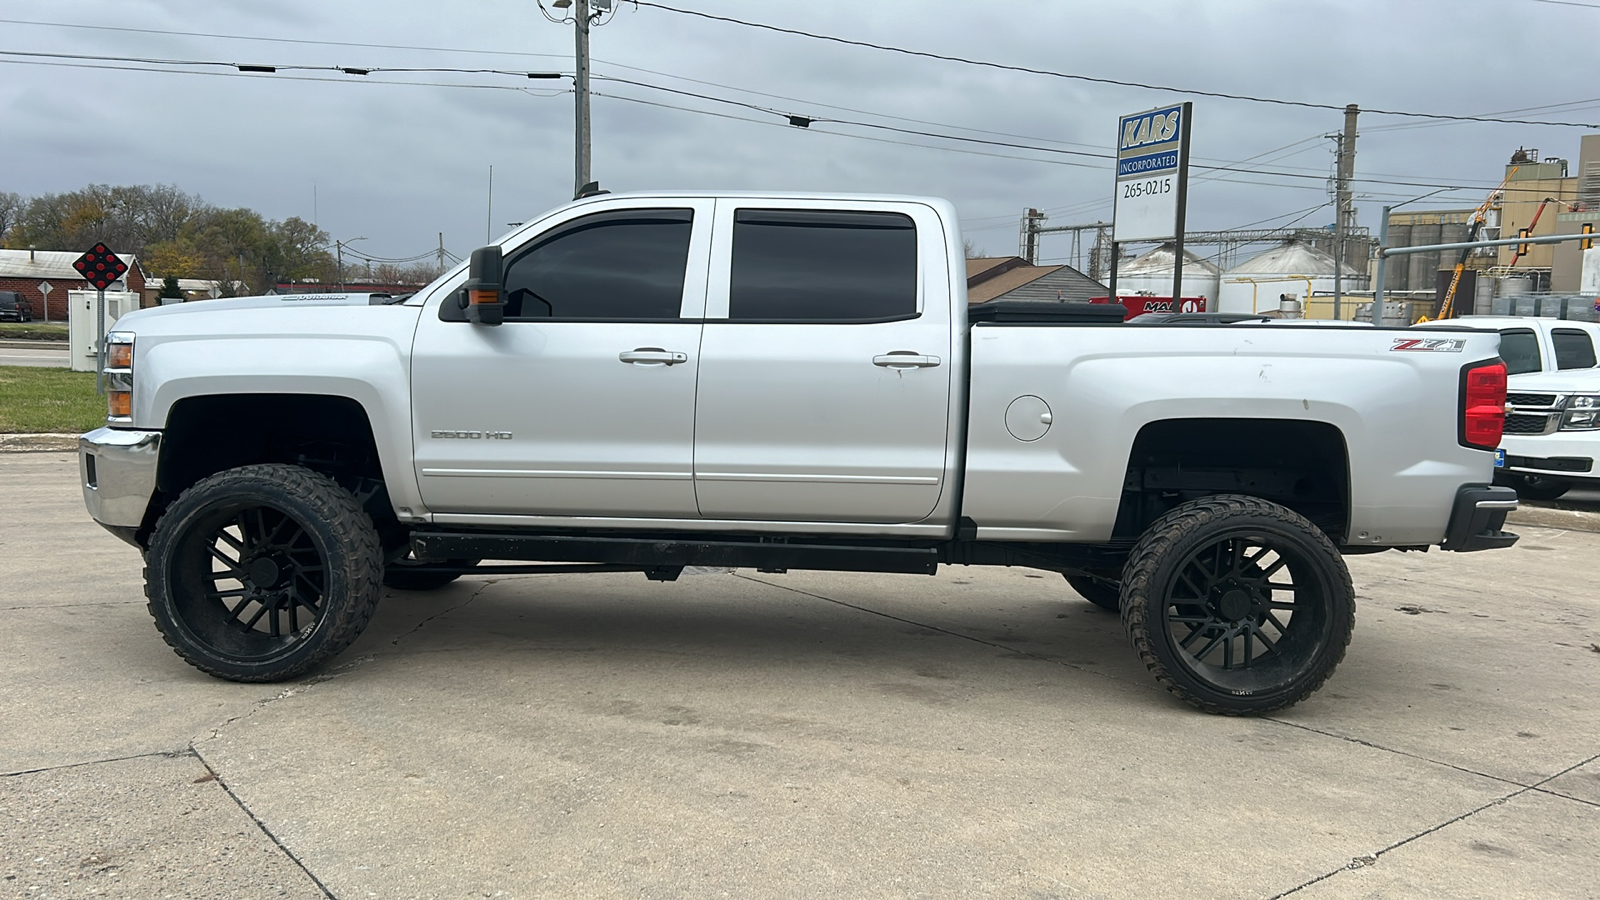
column 1483, row 404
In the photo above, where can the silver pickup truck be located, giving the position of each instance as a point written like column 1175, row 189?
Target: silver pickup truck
column 653, row 381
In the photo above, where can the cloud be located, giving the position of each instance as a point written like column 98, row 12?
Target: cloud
column 400, row 164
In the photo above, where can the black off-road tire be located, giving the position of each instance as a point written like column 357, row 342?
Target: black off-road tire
column 402, row 575
column 263, row 573
column 1202, row 551
column 1106, row 596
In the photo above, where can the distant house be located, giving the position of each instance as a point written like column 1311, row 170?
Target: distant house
column 1012, row 278
column 23, row 270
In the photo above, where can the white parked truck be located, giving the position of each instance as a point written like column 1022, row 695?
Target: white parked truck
column 1552, row 431
column 780, row 381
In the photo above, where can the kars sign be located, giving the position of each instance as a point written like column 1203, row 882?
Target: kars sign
column 1152, row 174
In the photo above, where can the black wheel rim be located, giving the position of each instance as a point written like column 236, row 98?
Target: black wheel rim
column 249, row 581
column 1247, row 613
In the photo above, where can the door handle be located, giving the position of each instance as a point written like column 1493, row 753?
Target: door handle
column 905, row 359
column 653, row 356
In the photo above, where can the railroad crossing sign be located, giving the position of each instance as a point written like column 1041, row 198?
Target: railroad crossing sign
column 100, row 267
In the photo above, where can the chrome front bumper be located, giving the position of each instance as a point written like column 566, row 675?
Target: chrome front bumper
column 118, row 470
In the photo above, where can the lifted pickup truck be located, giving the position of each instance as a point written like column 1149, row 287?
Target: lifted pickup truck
column 647, row 382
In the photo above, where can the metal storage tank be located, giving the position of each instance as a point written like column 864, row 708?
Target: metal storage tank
column 1151, row 275
column 1293, row 268
column 1423, row 265
column 1397, row 271
column 1447, row 259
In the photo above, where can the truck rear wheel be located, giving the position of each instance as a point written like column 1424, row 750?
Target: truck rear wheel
column 1106, row 596
column 1238, row 605
column 263, row 573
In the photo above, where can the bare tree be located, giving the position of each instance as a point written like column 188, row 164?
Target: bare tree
column 10, row 207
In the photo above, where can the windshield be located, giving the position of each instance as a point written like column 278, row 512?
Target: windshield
column 1520, row 350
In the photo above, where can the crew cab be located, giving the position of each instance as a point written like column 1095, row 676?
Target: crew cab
column 1552, row 431
column 780, row 381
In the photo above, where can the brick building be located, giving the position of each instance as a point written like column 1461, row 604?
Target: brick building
column 23, row 270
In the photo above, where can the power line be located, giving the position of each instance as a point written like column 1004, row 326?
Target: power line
column 267, row 68
column 172, row 71
column 262, row 70
column 1094, row 79
column 240, row 37
column 351, row 70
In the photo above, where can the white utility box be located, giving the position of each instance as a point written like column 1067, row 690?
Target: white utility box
column 81, row 319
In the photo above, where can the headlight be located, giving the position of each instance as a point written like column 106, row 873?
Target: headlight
column 119, row 377
column 1583, row 413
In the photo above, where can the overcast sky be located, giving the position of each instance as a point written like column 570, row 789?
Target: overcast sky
column 398, row 164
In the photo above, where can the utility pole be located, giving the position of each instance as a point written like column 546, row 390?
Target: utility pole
column 1346, row 215
column 441, row 252
column 581, row 97
column 582, row 19
column 338, row 249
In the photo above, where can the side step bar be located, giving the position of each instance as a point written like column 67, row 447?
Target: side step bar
column 646, row 553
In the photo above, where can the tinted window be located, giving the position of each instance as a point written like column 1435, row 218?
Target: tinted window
column 1574, row 350
column 828, row 266
column 627, row 264
column 1520, row 350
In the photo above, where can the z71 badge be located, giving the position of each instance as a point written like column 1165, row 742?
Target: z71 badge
column 1435, row 345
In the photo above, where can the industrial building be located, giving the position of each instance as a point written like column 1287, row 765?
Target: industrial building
column 1546, row 196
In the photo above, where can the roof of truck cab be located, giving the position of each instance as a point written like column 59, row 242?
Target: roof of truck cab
column 764, row 195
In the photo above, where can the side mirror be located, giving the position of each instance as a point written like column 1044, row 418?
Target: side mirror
column 480, row 296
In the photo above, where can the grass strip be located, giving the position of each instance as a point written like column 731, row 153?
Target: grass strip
column 48, row 400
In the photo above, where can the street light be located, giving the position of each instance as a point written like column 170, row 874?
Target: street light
column 582, row 19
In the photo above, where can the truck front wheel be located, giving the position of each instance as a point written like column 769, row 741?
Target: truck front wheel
column 1238, row 605
column 263, row 573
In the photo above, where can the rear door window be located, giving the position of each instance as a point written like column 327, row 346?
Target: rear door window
column 792, row 265
column 1574, row 349
column 1520, row 349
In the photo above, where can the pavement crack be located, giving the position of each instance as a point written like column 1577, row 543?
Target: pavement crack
column 1375, row 746
column 66, row 605
column 243, row 807
column 169, row 754
column 286, row 693
column 445, row 612
column 1008, row 648
column 1371, row 859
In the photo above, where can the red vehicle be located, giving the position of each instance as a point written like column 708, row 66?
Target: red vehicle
column 1139, row 305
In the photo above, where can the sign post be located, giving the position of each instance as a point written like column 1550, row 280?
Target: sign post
column 101, row 268
column 44, row 291
column 1152, row 186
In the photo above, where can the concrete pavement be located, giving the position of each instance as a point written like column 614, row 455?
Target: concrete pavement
column 979, row 733
column 13, row 353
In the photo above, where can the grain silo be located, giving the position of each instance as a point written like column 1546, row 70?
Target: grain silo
column 1293, row 268
column 1151, row 275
